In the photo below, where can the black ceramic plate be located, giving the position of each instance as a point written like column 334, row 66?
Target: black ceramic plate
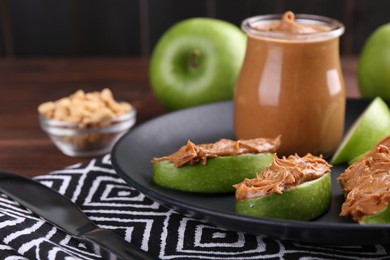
column 131, row 159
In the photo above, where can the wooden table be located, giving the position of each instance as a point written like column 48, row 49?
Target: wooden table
column 25, row 83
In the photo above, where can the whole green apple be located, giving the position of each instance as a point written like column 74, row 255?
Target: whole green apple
column 374, row 64
column 197, row 61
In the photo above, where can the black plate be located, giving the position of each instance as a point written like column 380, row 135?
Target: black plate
column 131, row 159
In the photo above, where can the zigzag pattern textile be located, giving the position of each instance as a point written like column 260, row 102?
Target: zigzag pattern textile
column 113, row 204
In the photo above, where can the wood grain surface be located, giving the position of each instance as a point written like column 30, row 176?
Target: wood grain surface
column 25, row 83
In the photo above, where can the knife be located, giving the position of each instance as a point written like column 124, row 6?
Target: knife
column 66, row 215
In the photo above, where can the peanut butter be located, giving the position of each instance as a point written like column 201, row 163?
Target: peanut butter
column 288, row 25
column 191, row 153
column 291, row 84
column 281, row 175
column 366, row 183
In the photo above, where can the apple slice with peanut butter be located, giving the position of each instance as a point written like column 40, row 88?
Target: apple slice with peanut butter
column 290, row 188
column 214, row 167
column 366, row 186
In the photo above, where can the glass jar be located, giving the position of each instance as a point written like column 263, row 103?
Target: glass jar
column 291, row 85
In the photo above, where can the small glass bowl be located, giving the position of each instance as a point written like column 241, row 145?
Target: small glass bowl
column 87, row 140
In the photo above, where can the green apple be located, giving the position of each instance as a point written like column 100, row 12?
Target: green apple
column 374, row 64
column 197, row 61
column 370, row 128
column 306, row 201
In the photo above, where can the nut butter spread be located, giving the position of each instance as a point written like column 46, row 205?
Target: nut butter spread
column 366, row 183
column 281, row 175
column 192, row 153
column 291, row 83
column 288, row 25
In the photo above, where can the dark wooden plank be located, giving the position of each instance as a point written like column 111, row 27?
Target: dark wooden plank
column 330, row 8
column 164, row 14
column 2, row 39
column 236, row 11
column 108, row 27
column 368, row 16
column 68, row 27
column 41, row 27
column 6, row 39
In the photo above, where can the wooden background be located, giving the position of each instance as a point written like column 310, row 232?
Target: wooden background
column 68, row 28
column 51, row 48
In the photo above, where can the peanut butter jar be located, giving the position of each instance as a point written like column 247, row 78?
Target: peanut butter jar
column 291, row 83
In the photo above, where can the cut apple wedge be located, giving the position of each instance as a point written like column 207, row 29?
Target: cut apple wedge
column 365, row 185
column 217, row 176
column 293, row 187
column 371, row 127
column 382, row 217
column 303, row 202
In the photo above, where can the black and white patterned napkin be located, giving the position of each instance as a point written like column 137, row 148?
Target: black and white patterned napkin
column 113, row 204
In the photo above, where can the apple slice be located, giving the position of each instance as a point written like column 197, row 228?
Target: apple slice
column 382, row 217
column 303, row 202
column 295, row 187
column 371, row 127
column 218, row 175
column 365, row 185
